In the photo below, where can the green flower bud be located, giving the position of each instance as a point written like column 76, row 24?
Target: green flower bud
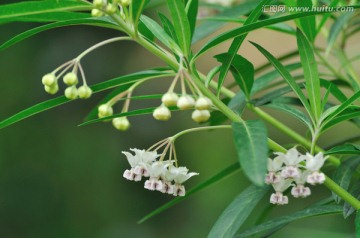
column 185, row 102
column 71, row 92
column 162, row 113
column 121, row 123
column 96, row 13
column 52, row 89
column 203, row 103
column 200, row 115
column 84, row 92
column 111, row 9
column 49, row 79
column 125, row 3
column 98, row 3
column 70, row 79
column 105, row 110
column 170, row 99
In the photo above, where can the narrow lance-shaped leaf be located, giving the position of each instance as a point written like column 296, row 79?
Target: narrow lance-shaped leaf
column 207, row 183
column 326, row 16
column 251, row 144
column 243, row 71
column 311, row 74
column 284, row 220
column 308, row 24
column 347, row 149
column 136, row 9
column 355, row 192
column 10, row 12
column 234, row 216
column 336, row 28
column 287, row 76
column 192, row 11
column 237, row 42
column 43, row 106
column 48, row 17
column 181, row 24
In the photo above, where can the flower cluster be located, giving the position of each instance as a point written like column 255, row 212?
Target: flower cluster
column 102, row 7
column 160, row 173
column 294, row 169
column 186, row 101
column 51, row 86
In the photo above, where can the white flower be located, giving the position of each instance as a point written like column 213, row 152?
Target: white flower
column 130, row 175
column 291, row 159
column 185, row 102
column 203, row 103
column 282, row 185
column 316, row 178
column 279, row 199
column 273, row 166
column 167, row 187
column 300, row 191
column 162, row 113
column 200, row 115
column 314, row 163
column 141, row 156
column 154, row 184
column 179, row 190
column 170, row 99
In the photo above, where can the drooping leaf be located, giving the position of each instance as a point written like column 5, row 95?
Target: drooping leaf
column 251, row 144
column 237, row 212
column 103, row 22
column 43, row 106
column 232, row 55
column 311, row 74
column 181, row 24
column 284, row 220
column 207, row 183
column 287, row 76
column 11, row 12
column 243, row 72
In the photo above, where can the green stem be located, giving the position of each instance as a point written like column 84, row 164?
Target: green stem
column 174, row 137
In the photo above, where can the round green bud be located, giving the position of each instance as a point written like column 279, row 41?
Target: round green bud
column 203, row 103
column 49, row 79
column 105, row 110
column 185, row 102
column 96, row 13
column 200, row 115
column 162, row 113
column 121, row 123
column 84, row 92
column 98, row 3
column 110, row 9
column 170, row 99
column 70, row 79
column 52, row 89
column 71, row 92
column 125, row 3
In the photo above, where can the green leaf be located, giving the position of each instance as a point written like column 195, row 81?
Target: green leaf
column 235, row 46
column 243, row 71
column 237, row 212
column 341, row 108
column 343, row 174
column 43, row 106
column 49, row 17
column 11, row 12
column 347, row 149
column 286, row 75
column 251, row 144
column 137, row 8
column 355, row 192
column 192, row 11
column 34, row 31
column 347, row 115
column 308, row 24
column 334, row 89
column 211, row 75
column 284, row 220
column 159, row 33
column 207, row 183
column 181, row 24
column 326, row 16
column 251, row 27
column 357, row 224
column 168, row 27
column 311, row 74
column 339, row 25
column 208, row 27
column 267, row 98
column 300, row 115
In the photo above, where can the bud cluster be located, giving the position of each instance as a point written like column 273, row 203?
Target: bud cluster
column 51, row 86
column 185, row 101
column 294, row 169
column 102, row 7
column 162, row 175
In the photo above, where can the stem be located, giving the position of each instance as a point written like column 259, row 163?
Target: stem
column 174, row 137
column 101, row 44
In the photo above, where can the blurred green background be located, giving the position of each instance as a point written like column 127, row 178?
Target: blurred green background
column 61, row 180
